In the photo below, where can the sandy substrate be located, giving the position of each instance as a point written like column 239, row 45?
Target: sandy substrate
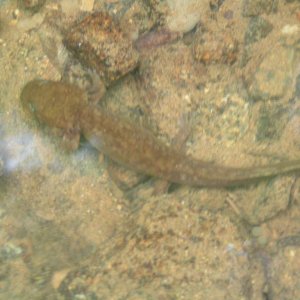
column 68, row 231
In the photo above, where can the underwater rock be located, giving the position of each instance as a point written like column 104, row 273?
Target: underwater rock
column 99, row 43
column 184, row 15
column 31, row 5
column 70, row 69
column 258, row 7
column 258, row 28
column 272, row 80
column 179, row 15
column 271, row 121
column 215, row 47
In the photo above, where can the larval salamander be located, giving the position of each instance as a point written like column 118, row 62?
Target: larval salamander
column 65, row 107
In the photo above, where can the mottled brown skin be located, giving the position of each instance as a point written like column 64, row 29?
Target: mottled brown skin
column 65, row 107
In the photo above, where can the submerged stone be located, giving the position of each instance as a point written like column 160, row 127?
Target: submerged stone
column 99, row 43
column 258, row 28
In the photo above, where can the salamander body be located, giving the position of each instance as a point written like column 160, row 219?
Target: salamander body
column 65, row 107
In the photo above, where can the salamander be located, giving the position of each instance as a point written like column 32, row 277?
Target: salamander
column 66, row 107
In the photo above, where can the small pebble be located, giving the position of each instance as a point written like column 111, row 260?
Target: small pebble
column 228, row 14
column 31, row 5
column 256, row 231
column 16, row 14
column 262, row 240
column 217, row 47
column 10, row 251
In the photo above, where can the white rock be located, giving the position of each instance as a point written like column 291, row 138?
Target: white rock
column 185, row 14
column 290, row 29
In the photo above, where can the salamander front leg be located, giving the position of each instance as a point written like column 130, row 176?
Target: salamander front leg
column 71, row 139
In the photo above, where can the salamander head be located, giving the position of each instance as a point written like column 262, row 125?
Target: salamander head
column 56, row 104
